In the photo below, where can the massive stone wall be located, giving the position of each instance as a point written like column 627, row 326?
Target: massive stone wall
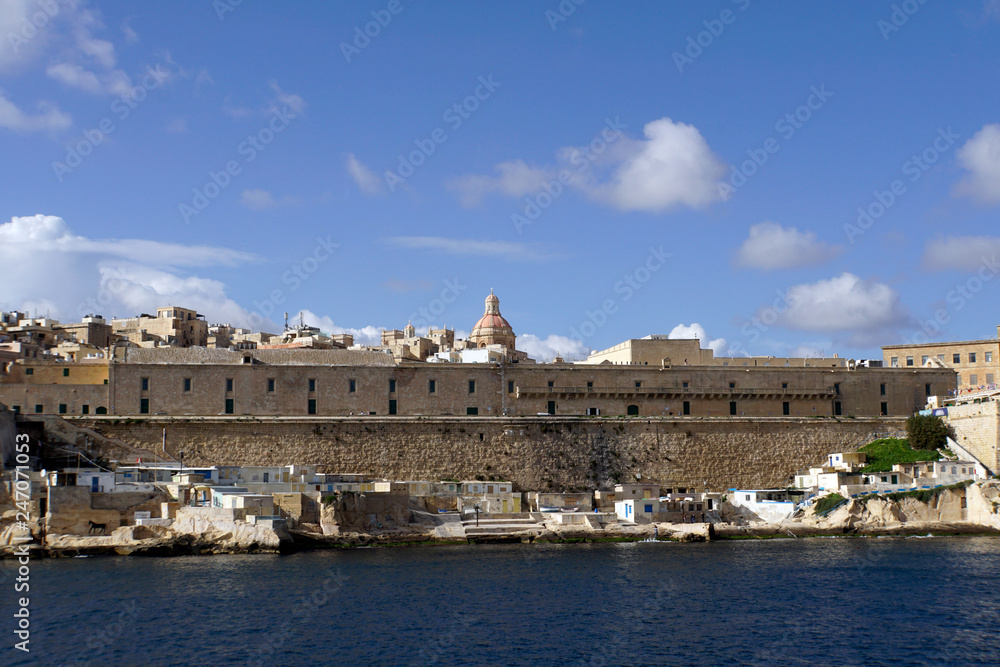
column 535, row 453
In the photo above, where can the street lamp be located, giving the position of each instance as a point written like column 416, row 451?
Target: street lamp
column 477, row 508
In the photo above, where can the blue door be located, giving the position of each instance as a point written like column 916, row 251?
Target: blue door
column 94, row 485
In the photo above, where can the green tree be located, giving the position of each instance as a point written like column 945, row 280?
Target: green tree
column 927, row 432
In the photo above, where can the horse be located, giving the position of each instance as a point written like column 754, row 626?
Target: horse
column 97, row 527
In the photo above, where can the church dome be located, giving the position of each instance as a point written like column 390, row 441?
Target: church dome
column 492, row 328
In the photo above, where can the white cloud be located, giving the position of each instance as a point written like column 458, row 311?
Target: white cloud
column 513, row 179
column 366, row 179
column 695, row 330
column 864, row 311
column 546, row 349
column 295, row 103
column 980, row 156
column 79, row 275
column 771, row 246
column 131, row 36
column 505, row 249
column 672, row 166
column 47, row 118
column 257, row 200
column 962, row 253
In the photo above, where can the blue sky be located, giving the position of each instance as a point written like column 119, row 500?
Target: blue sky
column 776, row 178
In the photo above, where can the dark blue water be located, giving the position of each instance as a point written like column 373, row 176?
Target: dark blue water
column 791, row 602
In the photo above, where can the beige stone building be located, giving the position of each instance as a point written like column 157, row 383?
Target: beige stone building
column 181, row 327
column 977, row 362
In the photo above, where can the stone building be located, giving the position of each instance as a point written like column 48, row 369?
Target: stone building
column 181, row 327
column 977, row 362
column 303, row 382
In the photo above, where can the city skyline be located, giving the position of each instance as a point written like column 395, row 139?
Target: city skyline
column 775, row 181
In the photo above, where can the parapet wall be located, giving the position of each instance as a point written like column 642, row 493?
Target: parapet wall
column 536, row 453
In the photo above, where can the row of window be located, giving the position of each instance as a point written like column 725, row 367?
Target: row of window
column 974, row 379
column 352, row 385
column 62, row 408
column 956, row 358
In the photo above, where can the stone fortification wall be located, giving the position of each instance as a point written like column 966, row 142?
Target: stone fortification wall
column 535, row 453
column 977, row 428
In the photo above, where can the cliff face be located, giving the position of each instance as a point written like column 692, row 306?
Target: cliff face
column 535, row 453
column 967, row 509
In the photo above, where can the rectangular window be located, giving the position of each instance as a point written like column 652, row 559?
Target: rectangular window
column 894, row 361
column 144, row 406
column 551, row 384
column 472, row 386
column 229, row 384
column 836, row 408
column 988, row 357
column 270, row 384
column 786, row 408
column 836, row 388
column 956, row 358
column 972, row 357
column 392, row 386
column 352, row 386
column 924, row 359
column 784, row 385
column 881, row 389
column 230, row 408
column 312, row 384
column 38, row 407
column 989, row 378
column 29, row 371
column 145, row 384
column 732, row 385
column 472, row 411
column 187, row 384
column 16, row 409
column 431, row 386
column 732, row 407
column 311, row 408
column 648, row 508
column 973, row 379
column 884, row 408
column 638, row 384
column 85, row 409
column 65, row 372
column 686, row 408
column 510, row 386
column 927, row 390
column 62, row 408
column 909, row 361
